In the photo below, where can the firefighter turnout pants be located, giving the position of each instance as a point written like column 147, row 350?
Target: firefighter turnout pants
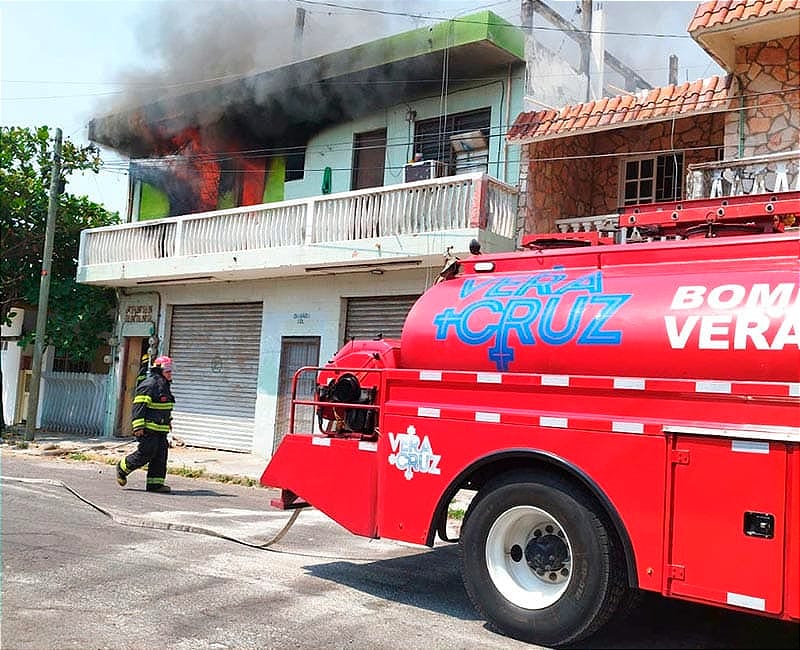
column 152, row 451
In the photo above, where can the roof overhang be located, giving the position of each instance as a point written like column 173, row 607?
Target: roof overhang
column 721, row 41
column 611, row 127
column 296, row 100
column 667, row 103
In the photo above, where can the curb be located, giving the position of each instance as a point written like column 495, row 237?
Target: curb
column 106, row 453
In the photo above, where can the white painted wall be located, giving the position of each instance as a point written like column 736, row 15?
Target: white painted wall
column 321, row 296
column 552, row 82
column 10, row 357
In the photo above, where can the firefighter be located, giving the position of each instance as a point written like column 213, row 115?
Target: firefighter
column 150, row 420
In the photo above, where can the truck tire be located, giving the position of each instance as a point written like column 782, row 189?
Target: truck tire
column 537, row 560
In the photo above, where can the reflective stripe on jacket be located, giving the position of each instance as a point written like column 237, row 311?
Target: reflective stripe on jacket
column 152, row 406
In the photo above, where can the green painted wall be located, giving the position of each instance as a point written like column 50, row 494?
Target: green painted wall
column 483, row 25
column 274, row 186
column 153, row 203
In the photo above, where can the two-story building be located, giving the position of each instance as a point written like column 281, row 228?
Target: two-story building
column 276, row 216
column 338, row 227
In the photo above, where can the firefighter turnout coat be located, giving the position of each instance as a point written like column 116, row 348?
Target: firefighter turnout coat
column 152, row 406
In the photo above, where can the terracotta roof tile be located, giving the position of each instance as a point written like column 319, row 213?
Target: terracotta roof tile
column 609, row 109
column 598, row 110
column 724, row 12
column 689, row 98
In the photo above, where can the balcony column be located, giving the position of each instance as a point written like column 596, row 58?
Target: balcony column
column 179, row 238
column 477, row 212
column 716, row 184
column 309, row 233
column 781, row 178
column 759, row 185
column 695, row 184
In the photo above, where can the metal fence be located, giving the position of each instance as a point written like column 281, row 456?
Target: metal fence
column 74, row 402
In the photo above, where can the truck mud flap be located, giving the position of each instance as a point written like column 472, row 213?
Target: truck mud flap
column 337, row 476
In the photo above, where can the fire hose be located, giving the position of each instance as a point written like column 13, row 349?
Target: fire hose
column 161, row 525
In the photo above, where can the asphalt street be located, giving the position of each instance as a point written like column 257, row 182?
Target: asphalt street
column 91, row 565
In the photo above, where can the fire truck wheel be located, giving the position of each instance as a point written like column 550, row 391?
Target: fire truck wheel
column 537, row 560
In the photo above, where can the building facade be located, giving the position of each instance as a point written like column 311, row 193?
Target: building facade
column 260, row 244
column 275, row 217
column 730, row 135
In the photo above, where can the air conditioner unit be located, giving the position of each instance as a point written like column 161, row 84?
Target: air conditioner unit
column 424, row 170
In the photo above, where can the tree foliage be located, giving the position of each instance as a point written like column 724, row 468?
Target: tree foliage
column 79, row 316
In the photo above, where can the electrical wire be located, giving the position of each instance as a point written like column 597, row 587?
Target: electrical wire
column 498, row 131
column 158, row 86
column 406, row 14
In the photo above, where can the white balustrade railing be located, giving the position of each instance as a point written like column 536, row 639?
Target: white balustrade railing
column 501, row 209
column 602, row 223
column 74, row 402
column 778, row 172
column 450, row 203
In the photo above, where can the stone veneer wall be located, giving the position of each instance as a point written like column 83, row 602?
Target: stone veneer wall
column 769, row 76
column 579, row 176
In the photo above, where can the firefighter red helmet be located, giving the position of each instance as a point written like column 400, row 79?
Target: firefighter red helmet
column 163, row 362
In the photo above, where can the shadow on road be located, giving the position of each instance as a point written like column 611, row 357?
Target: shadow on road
column 431, row 580
column 182, row 493
column 659, row 622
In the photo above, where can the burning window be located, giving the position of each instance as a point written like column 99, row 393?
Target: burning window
column 295, row 164
column 230, row 184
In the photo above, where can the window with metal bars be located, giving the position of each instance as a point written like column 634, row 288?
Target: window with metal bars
column 432, row 138
column 652, row 179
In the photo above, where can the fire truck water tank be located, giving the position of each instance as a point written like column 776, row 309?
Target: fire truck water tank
column 719, row 310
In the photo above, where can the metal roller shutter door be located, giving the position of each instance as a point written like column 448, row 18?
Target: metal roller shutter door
column 216, row 352
column 369, row 317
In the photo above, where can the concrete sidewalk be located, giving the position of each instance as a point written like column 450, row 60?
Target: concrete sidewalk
column 212, row 462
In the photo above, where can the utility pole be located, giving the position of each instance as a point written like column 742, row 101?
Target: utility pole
column 44, row 290
column 673, row 69
column 586, row 45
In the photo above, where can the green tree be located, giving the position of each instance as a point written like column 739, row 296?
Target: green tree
column 79, row 316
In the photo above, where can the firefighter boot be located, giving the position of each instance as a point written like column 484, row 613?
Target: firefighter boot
column 159, row 487
column 122, row 475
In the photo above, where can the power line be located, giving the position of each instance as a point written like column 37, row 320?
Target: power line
column 329, row 83
column 406, row 14
column 497, row 131
column 595, row 156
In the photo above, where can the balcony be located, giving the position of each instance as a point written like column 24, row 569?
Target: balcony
column 767, row 174
column 773, row 175
column 397, row 226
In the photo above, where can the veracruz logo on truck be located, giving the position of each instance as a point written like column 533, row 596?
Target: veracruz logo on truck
column 519, row 311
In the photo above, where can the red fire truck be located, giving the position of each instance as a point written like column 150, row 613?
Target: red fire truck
column 626, row 416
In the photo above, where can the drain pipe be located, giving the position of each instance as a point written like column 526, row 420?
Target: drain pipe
column 742, row 119
column 508, row 124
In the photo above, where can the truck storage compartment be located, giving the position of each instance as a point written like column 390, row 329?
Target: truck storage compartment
column 727, row 531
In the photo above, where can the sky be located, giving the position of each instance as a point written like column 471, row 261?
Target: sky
column 63, row 63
